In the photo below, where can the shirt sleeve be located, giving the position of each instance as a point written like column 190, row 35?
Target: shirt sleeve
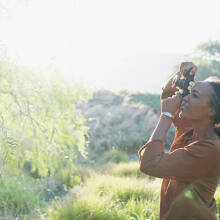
column 188, row 163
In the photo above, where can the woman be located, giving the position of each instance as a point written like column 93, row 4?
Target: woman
column 191, row 169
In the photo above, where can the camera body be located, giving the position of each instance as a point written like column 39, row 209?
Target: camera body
column 183, row 83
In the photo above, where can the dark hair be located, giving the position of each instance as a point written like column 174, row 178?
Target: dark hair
column 215, row 102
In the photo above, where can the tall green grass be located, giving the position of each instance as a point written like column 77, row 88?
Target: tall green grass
column 110, row 197
column 217, row 197
column 128, row 169
column 19, row 196
column 118, row 192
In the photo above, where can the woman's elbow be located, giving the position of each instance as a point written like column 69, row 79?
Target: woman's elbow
column 144, row 169
column 151, row 171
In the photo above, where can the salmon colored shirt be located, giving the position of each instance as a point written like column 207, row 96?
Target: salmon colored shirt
column 190, row 172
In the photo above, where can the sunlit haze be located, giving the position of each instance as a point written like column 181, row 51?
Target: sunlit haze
column 113, row 44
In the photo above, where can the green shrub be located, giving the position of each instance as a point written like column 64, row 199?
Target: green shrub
column 114, row 155
column 18, row 196
column 217, row 197
column 27, row 167
column 72, row 175
column 126, row 169
column 106, row 197
column 124, row 125
column 151, row 100
column 96, row 208
column 45, row 126
column 124, row 187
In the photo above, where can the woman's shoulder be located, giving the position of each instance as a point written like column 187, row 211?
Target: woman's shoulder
column 213, row 148
column 211, row 144
column 214, row 141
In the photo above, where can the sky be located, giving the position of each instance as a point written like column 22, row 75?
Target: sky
column 112, row 44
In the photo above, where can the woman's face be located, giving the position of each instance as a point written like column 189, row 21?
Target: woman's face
column 196, row 105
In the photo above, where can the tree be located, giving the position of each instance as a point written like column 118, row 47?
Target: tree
column 207, row 58
column 41, row 116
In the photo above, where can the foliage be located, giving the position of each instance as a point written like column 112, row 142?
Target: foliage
column 123, row 125
column 42, row 117
column 19, row 195
column 7, row 145
column 23, row 196
column 72, row 175
column 126, row 169
column 151, row 100
column 115, row 194
column 207, row 57
column 51, row 124
column 217, row 198
column 113, row 155
column 209, row 50
column 108, row 197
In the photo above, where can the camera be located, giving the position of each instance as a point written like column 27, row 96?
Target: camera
column 183, row 83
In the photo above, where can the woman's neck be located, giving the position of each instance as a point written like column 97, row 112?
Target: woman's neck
column 203, row 130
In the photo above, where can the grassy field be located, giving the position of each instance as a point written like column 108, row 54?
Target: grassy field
column 112, row 192
column 117, row 192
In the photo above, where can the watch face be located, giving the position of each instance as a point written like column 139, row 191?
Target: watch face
column 168, row 114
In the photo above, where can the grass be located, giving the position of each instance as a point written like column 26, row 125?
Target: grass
column 217, row 197
column 128, row 169
column 119, row 192
column 72, row 175
column 23, row 196
column 108, row 197
column 114, row 192
column 19, row 196
column 123, row 188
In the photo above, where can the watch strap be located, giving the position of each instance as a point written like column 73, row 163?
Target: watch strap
column 168, row 114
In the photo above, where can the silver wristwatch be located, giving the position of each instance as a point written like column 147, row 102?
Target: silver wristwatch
column 168, row 114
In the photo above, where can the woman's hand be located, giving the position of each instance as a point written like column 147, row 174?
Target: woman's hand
column 171, row 104
column 184, row 68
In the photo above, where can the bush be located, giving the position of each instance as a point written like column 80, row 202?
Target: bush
column 113, row 156
column 217, row 197
column 72, row 175
column 128, row 169
column 151, row 100
column 19, row 196
column 45, row 127
column 124, row 187
column 123, row 125
column 63, row 180
column 106, row 198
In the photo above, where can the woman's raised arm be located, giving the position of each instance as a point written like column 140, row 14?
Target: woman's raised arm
column 168, row 91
